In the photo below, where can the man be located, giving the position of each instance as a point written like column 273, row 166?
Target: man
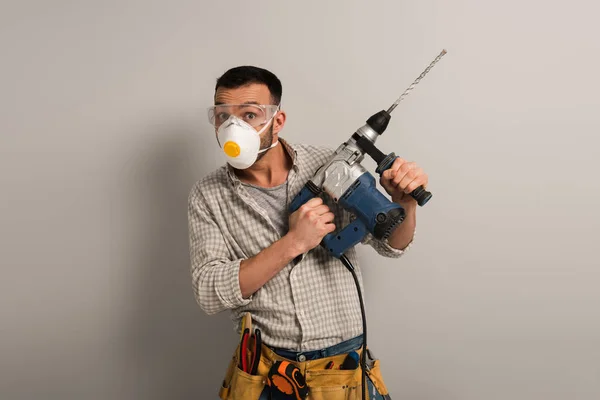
column 249, row 255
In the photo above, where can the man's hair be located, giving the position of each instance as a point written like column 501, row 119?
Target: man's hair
column 244, row 75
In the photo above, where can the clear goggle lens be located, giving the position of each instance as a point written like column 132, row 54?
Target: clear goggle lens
column 255, row 115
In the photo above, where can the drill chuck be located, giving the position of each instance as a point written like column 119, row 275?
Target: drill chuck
column 379, row 121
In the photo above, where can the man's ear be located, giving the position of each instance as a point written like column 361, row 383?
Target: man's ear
column 279, row 122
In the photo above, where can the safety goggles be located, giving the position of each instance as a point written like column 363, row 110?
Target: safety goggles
column 254, row 114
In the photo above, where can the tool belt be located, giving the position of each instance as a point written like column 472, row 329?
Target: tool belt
column 318, row 381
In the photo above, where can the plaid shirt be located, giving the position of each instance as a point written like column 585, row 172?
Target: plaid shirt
column 311, row 303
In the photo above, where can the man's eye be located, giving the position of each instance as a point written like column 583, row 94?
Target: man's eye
column 222, row 116
column 250, row 115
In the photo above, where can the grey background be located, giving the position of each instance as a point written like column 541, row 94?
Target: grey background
column 103, row 132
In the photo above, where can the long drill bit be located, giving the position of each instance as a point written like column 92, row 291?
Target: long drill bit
column 408, row 90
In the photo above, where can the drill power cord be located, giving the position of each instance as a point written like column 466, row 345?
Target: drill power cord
column 363, row 356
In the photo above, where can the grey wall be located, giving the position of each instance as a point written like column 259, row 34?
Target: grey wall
column 103, row 132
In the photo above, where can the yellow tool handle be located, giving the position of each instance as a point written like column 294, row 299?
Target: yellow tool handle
column 246, row 323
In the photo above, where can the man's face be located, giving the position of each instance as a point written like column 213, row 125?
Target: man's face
column 254, row 93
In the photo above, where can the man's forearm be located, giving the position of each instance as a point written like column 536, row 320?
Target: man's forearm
column 258, row 270
column 403, row 235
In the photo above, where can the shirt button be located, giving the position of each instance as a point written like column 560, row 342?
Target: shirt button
column 301, row 358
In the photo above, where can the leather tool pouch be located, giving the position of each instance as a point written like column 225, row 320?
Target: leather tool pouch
column 241, row 385
column 323, row 384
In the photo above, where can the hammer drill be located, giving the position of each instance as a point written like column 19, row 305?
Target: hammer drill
column 345, row 180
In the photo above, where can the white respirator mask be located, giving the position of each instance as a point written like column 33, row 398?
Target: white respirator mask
column 240, row 142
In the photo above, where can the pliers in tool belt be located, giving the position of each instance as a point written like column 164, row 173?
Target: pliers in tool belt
column 243, row 350
column 256, row 353
column 250, row 364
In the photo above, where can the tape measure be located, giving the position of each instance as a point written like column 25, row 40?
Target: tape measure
column 286, row 382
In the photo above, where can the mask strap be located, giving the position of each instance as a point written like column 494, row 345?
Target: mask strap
column 265, row 127
column 269, row 148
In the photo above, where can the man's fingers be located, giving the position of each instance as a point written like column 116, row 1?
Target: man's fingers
column 310, row 205
column 390, row 173
column 385, row 183
column 330, row 228
column 408, row 177
column 407, row 170
column 327, row 217
column 315, row 201
column 388, row 184
column 398, row 178
column 408, row 167
column 397, row 164
column 420, row 180
column 322, row 209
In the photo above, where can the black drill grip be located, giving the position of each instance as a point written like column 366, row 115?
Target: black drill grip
column 421, row 195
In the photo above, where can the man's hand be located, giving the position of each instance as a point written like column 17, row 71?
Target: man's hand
column 401, row 179
column 309, row 225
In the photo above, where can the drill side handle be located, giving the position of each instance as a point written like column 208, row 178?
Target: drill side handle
column 421, row 195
